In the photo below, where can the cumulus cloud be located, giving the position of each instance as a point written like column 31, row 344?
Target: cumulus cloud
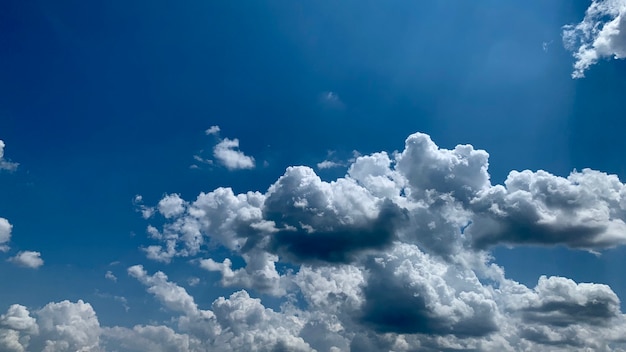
column 441, row 200
column 16, row 327
column 561, row 302
column 408, row 291
column 147, row 338
column 601, row 34
column 27, row 259
column 58, row 327
column 228, row 154
column 259, row 273
column 67, row 326
column 5, row 226
column 171, row 295
column 585, row 210
column 394, row 255
column 4, row 163
column 5, row 234
column 171, row 205
column 237, row 323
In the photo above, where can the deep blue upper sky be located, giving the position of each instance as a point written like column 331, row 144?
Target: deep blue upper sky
column 104, row 100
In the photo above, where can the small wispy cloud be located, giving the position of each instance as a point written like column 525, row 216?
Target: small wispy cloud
column 330, row 99
column 332, row 161
column 546, row 45
column 213, row 130
column 328, row 164
column 146, row 212
column 6, row 164
column 109, row 276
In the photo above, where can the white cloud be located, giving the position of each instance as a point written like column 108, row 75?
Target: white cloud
column 5, row 234
column 249, row 326
column 110, row 276
column 461, row 171
column 148, row 338
column 16, row 326
column 562, row 302
column 213, row 130
column 171, row 295
column 171, row 205
column 239, row 323
column 409, row 291
column 57, row 327
column 18, row 318
column 200, row 159
column 67, row 326
column 228, row 154
column 5, row 226
column 146, row 212
column 372, row 261
column 328, row 164
column 601, row 34
column 27, row 259
column 5, row 164
column 393, row 256
column 585, row 210
column 259, row 273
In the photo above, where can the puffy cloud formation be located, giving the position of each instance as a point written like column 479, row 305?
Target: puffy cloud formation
column 239, row 323
column 16, row 327
column 441, row 200
column 5, row 234
column 67, row 326
column 6, row 164
column 601, row 34
column 584, row 210
column 57, row 327
column 228, row 154
column 394, row 256
column 171, row 205
column 27, row 259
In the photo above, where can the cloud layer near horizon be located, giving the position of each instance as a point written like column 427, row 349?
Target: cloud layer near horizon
column 392, row 256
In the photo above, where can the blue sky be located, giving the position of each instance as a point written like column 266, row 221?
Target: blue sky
column 105, row 101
